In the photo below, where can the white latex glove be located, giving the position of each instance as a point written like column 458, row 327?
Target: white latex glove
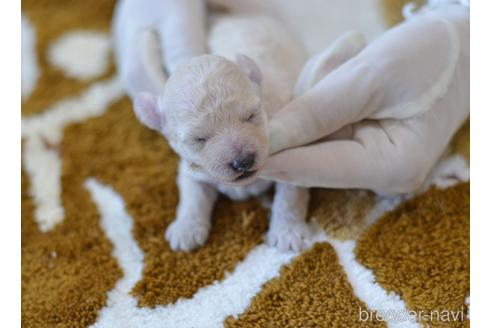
column 154, row 36
column 381, row 117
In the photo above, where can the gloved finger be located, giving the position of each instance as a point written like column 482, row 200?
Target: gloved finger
column 386, row 157
column 319, row 65
column 143, row 75
column 335, row 101
column 182, row 33
column 342, row 49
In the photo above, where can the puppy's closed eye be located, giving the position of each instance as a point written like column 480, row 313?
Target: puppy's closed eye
column 196, row 142
column 251, row 117
column 200, row 140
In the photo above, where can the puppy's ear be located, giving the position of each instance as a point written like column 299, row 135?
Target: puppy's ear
column 147, row 111
column 249, row 68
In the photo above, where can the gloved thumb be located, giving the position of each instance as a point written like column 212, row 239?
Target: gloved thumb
column 320, row 86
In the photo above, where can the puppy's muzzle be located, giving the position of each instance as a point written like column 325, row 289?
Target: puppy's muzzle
column 244, row 163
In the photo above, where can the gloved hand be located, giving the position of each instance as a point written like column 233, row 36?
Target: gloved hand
column 153, row 37
column 380, row 117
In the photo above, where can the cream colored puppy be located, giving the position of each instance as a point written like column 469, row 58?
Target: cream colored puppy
column 214, row 111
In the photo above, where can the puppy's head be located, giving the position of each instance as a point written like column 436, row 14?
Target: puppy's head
column 211, row 113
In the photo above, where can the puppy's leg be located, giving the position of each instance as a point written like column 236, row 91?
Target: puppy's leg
column 192, row 224
column 288, row 229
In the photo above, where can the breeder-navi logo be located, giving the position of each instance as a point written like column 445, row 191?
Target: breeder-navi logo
column 412, row 316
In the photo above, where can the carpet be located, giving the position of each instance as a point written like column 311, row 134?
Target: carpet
column 99, row 189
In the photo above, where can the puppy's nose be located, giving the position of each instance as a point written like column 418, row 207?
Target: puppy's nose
column 244, row 163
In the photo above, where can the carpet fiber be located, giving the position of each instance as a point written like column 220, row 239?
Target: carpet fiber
column 99, row 190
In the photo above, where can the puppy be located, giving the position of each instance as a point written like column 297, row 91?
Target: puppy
column 213, row 110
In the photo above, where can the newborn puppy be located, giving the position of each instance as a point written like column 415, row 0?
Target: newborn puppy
column 214, row 111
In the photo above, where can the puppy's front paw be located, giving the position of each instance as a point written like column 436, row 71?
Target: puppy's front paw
column 186, row 235
column 288, row 236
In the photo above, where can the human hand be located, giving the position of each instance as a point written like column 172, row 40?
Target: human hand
column 153, row 37
column 381, row 117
